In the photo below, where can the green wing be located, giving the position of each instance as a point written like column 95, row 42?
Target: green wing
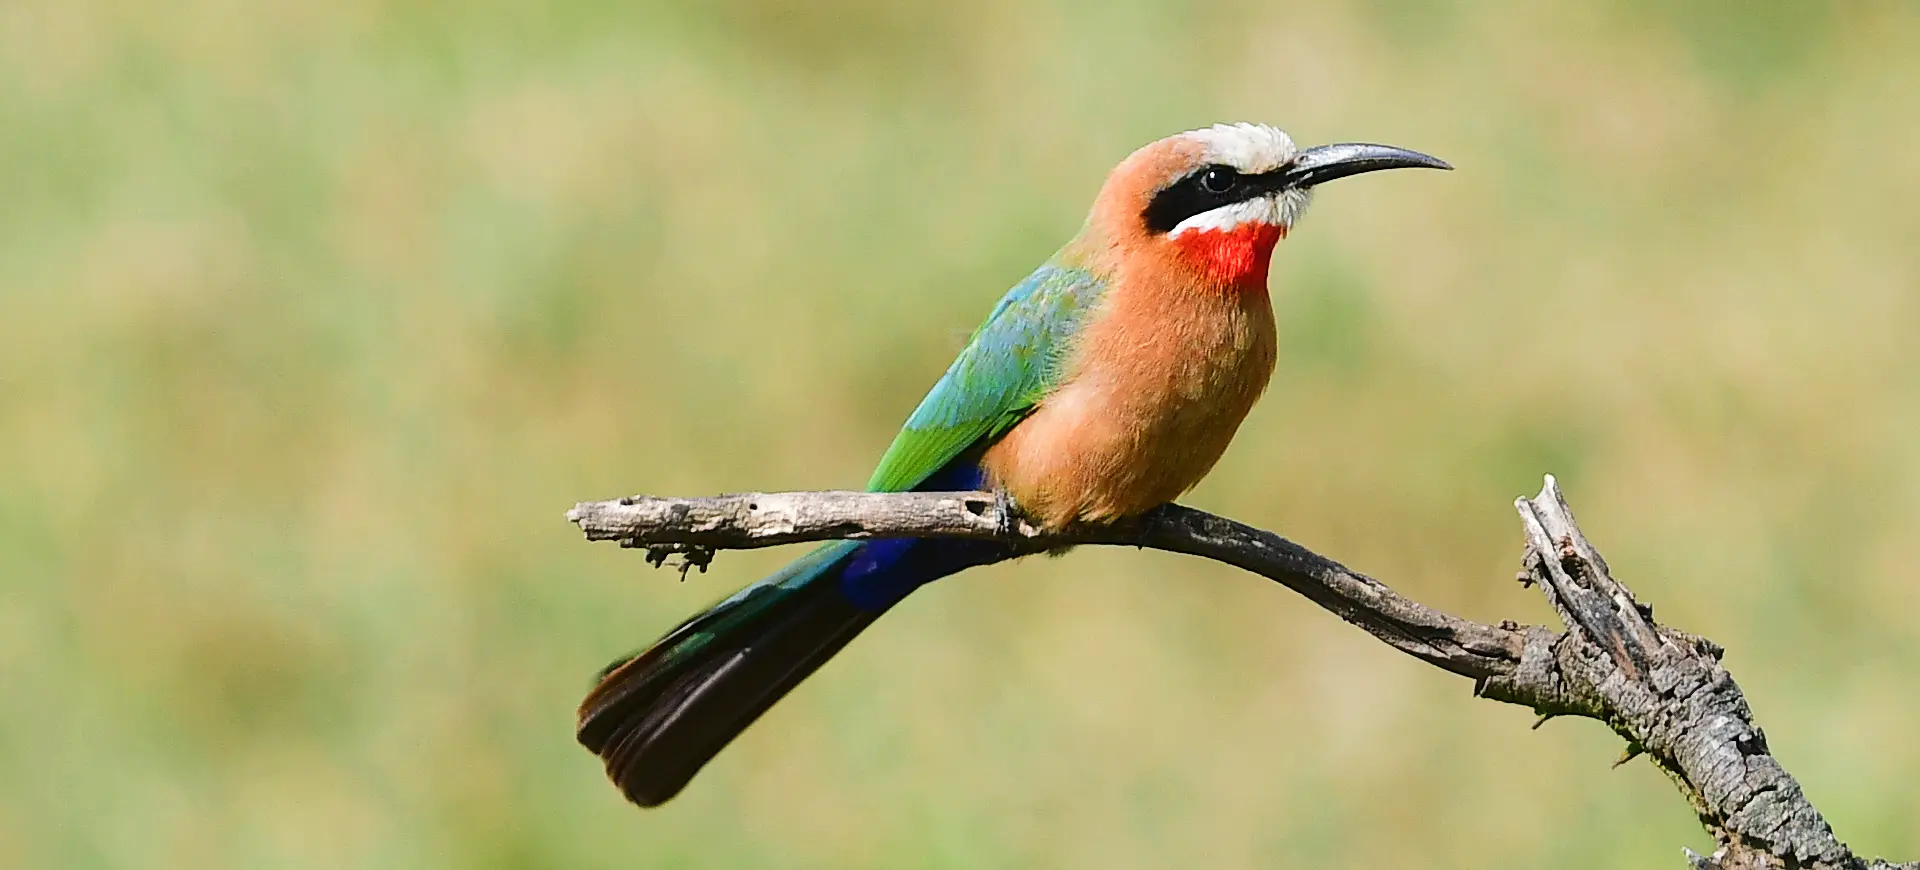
column 1010, row 364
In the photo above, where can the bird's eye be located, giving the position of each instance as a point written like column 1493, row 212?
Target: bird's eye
column 1219, row 179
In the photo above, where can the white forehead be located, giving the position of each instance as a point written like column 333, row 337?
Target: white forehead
column 1251, row 148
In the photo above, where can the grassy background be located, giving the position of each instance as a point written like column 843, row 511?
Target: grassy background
column 316, row 316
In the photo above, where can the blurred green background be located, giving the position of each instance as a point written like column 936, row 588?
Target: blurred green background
column 317, row 316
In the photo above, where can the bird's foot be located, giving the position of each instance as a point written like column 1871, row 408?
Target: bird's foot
column 1008, row 515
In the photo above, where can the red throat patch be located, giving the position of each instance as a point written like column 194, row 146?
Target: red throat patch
column 1238, row 256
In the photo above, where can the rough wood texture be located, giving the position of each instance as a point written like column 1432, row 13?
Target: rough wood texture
column 1661, row 689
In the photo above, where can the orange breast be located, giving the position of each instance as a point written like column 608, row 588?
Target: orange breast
column 1157, row 386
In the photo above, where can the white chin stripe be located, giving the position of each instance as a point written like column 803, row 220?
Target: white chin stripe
column 1280, row 211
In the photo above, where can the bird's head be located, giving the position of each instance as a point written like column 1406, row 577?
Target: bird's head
column 1216, row 200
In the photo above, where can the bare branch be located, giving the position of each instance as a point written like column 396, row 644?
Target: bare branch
column 760, row 519
column 1660, row 688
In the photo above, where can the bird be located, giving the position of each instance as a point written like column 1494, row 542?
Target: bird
column 1106, row 383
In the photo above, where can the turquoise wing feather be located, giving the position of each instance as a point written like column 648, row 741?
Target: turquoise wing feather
column 1010, row 364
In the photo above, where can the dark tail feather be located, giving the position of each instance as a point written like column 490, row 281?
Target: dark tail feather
column 658, row 717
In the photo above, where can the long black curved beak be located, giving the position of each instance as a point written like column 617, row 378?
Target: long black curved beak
column 1325, row 163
